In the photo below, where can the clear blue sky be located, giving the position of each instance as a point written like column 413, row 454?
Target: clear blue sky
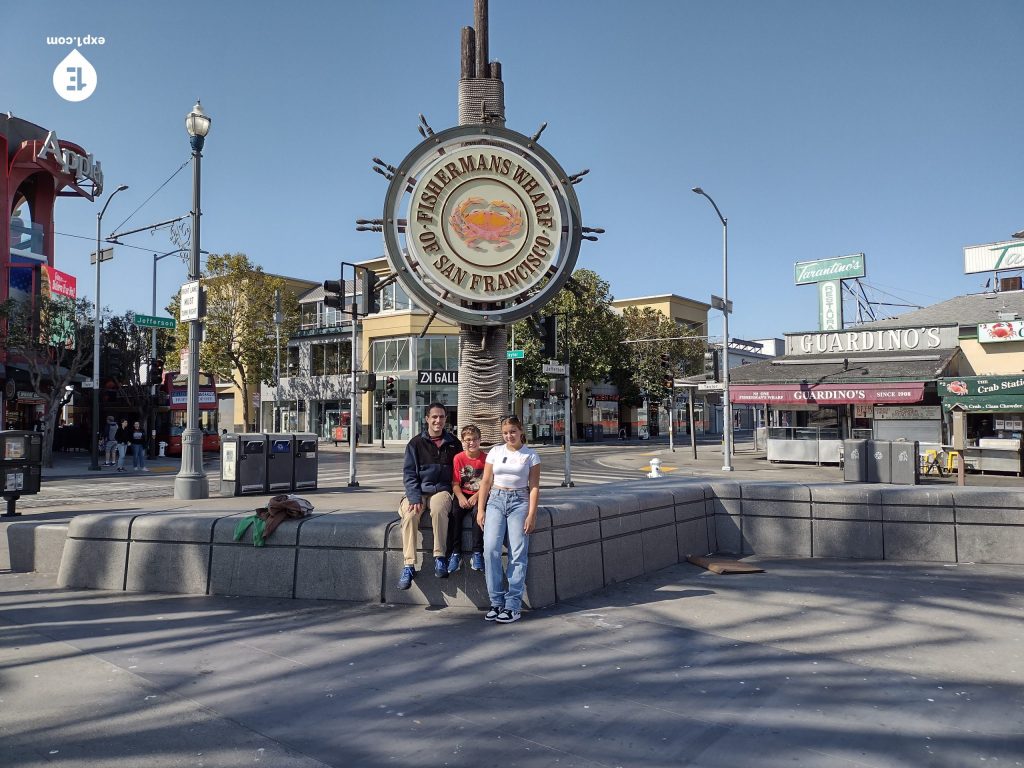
column 820, row 128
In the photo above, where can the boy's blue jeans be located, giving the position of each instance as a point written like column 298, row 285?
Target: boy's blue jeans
column 506, row 513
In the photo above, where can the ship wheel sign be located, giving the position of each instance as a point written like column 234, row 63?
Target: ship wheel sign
column 482, row 225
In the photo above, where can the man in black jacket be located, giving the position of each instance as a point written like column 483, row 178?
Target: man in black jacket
column 427, row 475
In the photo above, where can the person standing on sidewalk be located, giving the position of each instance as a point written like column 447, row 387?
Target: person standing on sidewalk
column 427, row 476
column 138, row 438
column 110, row 441
column 507, row 504
column 124, row 439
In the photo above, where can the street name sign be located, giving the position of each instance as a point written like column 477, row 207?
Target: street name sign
column 106, row 254
column 554, row 368
column 711, row 386
column 149, row 321
column 515, row 354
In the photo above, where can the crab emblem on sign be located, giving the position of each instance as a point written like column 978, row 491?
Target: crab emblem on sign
column 474, row 219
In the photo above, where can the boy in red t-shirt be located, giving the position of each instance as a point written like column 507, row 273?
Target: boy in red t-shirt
column 467, row 471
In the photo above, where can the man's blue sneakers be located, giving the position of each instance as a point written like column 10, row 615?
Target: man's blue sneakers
column 405, row 580
column 454, row 562
column 440, row 568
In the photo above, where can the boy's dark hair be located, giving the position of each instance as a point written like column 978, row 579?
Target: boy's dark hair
column 473, row 428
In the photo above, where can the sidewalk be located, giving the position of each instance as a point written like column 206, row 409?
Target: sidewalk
column 812, row 663
column 76, row 464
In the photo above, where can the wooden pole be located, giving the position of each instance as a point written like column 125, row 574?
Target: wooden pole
column 468, row 53
column 480, row 23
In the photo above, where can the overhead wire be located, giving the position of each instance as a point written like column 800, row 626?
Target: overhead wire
column 130, row 215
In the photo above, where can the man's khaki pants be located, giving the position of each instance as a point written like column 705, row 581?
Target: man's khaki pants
column 440, row 506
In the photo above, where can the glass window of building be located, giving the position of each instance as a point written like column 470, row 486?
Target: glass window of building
column 330, row 358
column 310, row 315
column 292, row 364
column 437, row 353
column 390, row 355
column 393, row 298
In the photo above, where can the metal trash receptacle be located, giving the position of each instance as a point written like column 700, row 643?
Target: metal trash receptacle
column 306, row 461
column 280, row 462
column 906, row 462
column 879, row 460
column 243, row 464
column 855, row 461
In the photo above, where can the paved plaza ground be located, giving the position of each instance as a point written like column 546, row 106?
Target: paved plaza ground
column 812, row 663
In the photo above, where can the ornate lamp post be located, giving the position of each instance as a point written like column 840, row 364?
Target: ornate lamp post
column 726, row 405
column 191, row 482
column 94, row 454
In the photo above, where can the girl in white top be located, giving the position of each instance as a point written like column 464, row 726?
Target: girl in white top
column 507, row 503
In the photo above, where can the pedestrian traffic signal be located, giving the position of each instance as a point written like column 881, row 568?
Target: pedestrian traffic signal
column 711, row 372
column 334, row 294
column 156, row 371
column 549, row 336
column 389, row 387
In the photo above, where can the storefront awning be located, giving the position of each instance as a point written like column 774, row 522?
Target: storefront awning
column 985, row 404
column 781, row 395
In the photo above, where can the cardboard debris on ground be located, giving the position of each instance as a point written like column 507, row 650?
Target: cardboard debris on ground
column 723, row 565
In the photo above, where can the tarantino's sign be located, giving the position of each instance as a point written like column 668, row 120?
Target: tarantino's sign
column 486, row 223
column 838, row 268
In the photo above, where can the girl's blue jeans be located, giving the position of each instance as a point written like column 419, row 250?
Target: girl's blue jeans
column 506, row 514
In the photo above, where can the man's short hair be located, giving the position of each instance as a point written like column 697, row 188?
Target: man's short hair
column 434, row 405
column 472, row 429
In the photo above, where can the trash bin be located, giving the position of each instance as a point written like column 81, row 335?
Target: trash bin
column 21, row 461
column 243, row 464
column 879, row 461
column 306, row 461
column 906, row 462
column 855, row 461
column 588, row 432
column 280, row 463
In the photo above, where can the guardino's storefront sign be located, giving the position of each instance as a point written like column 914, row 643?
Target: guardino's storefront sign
column 481, row 225
column 827, row 394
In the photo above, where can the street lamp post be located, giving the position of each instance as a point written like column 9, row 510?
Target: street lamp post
column 94, row 453
column 156, row 258
column 191, row 482
column 726, row 406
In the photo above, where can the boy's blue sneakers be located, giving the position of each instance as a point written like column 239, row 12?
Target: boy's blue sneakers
column 405, row 580
column 454, row 562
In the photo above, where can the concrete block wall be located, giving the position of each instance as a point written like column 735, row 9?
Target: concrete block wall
column 585, row 539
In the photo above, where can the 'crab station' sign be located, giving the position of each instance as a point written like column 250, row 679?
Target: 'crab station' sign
column 491, row 226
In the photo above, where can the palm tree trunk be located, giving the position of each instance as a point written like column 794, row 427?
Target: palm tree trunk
column 483, row 379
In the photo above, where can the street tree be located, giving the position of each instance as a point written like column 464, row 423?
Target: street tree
column 239, row 341
column 589, row 336
column 651, row 338
column 126, row 356
column 52, row 341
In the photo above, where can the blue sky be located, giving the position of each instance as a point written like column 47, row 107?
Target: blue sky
column 820, row 128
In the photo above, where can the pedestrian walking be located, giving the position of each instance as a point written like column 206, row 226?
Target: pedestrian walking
column 507, row 505
column 110, row 441
column 138, row 438
column 124, row 439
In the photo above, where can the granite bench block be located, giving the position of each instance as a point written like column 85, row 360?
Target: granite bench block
column 776, row 508
column 918, row 514
column 990, row 544
column 181, row 527
column 660, row 549
column 869, row 494
column 578, row 570
column 728, row 533
column 688, row 493
column 656, row 518
column 353, row 530
column 618, row 504
column 426, row 536
column 339, row 574
column 168, row 566
column 855, row 540
column 692, row 510
column 540, row 583
column 725, row 506
column 995, row 498
column 572, row 535
column 620, row 525
column 916, row 496
column 919, row 541
column 109, row 525
column 692, row 539
column 253, row 571
column 35, row 546
column 721, row 490
column 572, row 512
column 285, row 535
column 623, row 558
column 541, row 541
column 852, row 511
column 776, row 536
column 775, row 492
column 426, row 588
column 1009, row 516
column 93, row 563
column 654, row 497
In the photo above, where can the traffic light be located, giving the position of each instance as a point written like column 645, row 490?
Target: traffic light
column 334, row 294
column 389, row 387
column 370, row 297
column 667, row 379
column 711, row 365
column 549, row 336
column 115, row 364
column 156, row 371
column 367, row 382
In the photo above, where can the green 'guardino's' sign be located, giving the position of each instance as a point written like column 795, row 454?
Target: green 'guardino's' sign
column 838, row 268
